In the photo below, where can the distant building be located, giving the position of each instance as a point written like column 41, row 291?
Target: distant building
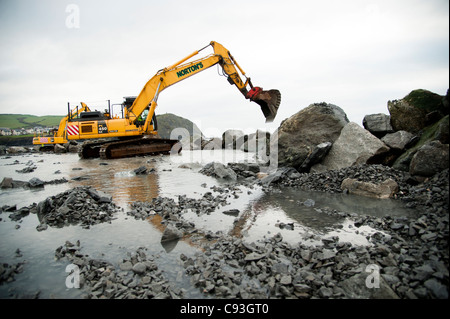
column 5, row 131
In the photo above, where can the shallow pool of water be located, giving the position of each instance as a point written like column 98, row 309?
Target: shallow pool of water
column 260, row 215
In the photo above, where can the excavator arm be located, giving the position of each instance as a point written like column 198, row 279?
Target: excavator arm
column 139, row 137
column 268, row 100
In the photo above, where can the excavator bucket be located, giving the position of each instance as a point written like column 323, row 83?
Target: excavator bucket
column 269, row 101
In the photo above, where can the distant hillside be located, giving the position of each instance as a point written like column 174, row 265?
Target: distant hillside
column 17, row 121
column 167, row 122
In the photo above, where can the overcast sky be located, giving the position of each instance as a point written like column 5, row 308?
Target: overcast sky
column 356, row 54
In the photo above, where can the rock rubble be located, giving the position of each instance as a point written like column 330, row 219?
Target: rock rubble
column 135, row 277
column 80, row 205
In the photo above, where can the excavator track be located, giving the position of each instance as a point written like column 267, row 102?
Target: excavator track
column 129, row 148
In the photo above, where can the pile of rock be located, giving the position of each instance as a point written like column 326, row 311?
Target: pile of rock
column 8, row 272
column 413, row 138
column 232, row 268
column 136, row 277
column 169, row 209
column 80, row 205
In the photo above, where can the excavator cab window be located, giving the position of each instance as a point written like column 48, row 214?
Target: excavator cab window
column 141, row 118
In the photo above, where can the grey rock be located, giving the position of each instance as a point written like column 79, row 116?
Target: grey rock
column 423, row 272
column 41, row 227
column 126, row 266
column 58, row 148
column 36, row 182
column 219, row 170
column 437, row 289
column 171, row 233
column 286, row 280
column 325, row 292
column 280, row 268
column 354, row 146
column 326, row 254
column 142, row 170
column 7, row 182
column 253, row 256
column 398, row 140
column 378, row 124
column 279, row 175
column 355, row 288
column 430, row 159
column 316, row 156
column 309, row 203
column 139, row 268
column 231, row 212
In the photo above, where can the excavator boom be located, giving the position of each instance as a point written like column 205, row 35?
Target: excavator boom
column 134, row 126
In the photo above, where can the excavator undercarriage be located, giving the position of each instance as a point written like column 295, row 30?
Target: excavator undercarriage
column 129, row 147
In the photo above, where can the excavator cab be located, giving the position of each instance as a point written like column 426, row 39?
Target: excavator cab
column 269, row 101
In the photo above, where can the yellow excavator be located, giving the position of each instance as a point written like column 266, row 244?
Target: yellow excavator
column 59, row 136
column 135, row 131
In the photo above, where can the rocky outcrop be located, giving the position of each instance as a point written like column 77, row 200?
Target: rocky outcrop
column 438, row 131
column 418, row 109
column 319, row 137
column 298, row 136
column 354, row 146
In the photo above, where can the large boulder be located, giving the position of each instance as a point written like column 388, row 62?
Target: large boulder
column 417, row 110
column 354, row 146
column 386, row 189
column 430, row 159
column 436, row 132
column 58, row 149
column 378, row 124
column 299, row 135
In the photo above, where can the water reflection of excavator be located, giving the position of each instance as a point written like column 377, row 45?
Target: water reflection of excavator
column 136, row 129
column 59, row 136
